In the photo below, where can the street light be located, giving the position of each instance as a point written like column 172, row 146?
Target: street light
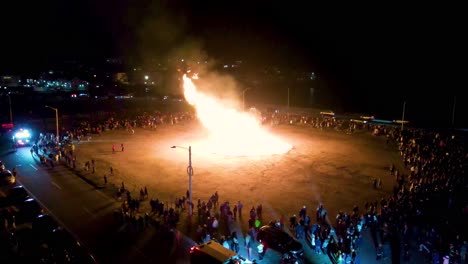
column 56, row 121
column 11, row 113
column 243, row 98
column 403, row 116
column 453, row 110
column 190, row 174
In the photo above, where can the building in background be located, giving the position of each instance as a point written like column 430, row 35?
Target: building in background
column 10, row 81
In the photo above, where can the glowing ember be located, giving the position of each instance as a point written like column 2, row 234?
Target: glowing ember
column 232, row 133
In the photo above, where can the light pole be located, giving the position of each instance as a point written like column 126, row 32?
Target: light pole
column 56, row 121
column 190, row 174
column 403, row 117
column 453, row 110
column 11, row 113
column 243, row 98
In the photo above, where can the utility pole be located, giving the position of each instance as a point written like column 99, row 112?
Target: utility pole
column 56, row 121
column 403, row 117
column 190, row 174
column 288, row 99
column 11, row 113
column 453, row 110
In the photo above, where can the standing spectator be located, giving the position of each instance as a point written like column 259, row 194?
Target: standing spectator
column 248, row 245
column 122, row 147
column 260, row 250
column 113, row 148
column 318, row 213
column 303, row 212
column 379, row 183
column 239, row 208
column 225, row 242
column 235, row 242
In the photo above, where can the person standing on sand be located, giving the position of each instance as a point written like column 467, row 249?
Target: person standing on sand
column 239, row 208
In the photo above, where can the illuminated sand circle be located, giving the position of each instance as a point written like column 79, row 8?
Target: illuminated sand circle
column 232, row 133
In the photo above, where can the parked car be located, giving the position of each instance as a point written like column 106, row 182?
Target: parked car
column 17, row 194
column 43, row 226
column 12, row 196
column 7, row 178
column 8, row 246
column 66, row 248
column 28, row 210
column 278, row 240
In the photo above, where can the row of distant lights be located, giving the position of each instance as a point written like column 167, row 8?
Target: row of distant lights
column 182, row 60
column 232, row 66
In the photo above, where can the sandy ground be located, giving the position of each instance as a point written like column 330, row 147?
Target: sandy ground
column 327, row 167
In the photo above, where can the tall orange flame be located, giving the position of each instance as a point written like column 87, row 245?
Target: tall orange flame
column 231, row 132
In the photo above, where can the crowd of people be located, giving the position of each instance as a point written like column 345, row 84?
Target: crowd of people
column 425, row 211
column 428, row 208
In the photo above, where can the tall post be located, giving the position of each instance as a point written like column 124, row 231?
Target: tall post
column 57, row 125
column 453, row 110
column 403, row 117
column 190, row 174
column 288, row 99
column 11, row 113
column 56, row 121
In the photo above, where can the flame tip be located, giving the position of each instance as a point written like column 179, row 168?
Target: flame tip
column 233, row 133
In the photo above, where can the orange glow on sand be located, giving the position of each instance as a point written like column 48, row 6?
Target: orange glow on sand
column 232, row 133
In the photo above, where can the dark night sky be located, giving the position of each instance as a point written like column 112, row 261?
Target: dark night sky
column 364, row 51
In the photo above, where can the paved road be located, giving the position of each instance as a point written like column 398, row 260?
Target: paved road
column 87, row 213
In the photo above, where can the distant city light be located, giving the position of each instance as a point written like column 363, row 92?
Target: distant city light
column 312, row 76
column 146, row 77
